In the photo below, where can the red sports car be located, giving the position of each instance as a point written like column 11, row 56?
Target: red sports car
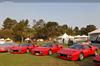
column 22, row 48
column 3, row 48
column 47, row 49
column 96, row 60
column 6, row 46
column 77, row 52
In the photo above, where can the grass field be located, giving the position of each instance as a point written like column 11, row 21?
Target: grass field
column 7, row 59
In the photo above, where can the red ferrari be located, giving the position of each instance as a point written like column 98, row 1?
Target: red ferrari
column 6, row 46
column 77, row 52
column 96, row 60
column 47, row 49
column 3, row 48
column 22, row 48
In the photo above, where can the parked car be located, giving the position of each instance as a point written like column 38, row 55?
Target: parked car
column 5, row 47
column 96, row 60
column 47, row 49
column 77, row 52
column 22, row 48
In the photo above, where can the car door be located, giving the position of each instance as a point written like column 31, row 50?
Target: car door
column 87, row 50
column 55, row 48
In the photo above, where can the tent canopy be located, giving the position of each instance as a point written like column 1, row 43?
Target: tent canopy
column 65, row 35
column 95, row 31
column 8, row 39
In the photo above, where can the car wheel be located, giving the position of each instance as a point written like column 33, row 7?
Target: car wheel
column 81, row 57
column 95, row 53
column 50, row 52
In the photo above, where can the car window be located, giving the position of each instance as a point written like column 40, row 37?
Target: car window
column 47, row 45
column 76, row 46
column 86, row 46
column 25, row 45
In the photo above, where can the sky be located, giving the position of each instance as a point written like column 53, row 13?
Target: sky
column 73, row 14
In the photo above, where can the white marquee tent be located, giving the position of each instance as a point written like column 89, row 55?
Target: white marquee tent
column 63, row 37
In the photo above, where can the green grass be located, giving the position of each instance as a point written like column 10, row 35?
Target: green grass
column 7, row 59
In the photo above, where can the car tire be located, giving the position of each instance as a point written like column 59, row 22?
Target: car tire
column 50, row 52
column 95, row 53
column 81, row 57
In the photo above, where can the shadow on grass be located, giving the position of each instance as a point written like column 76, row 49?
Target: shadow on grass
column 86, row 62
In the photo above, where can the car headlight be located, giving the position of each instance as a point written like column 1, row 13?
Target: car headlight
column 19, row 50
column 41, row 52
column 69, row 56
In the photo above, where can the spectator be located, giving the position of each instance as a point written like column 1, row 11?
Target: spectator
column 70, row 42
column 63, row 40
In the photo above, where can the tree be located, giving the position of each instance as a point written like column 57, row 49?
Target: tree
column 6, row 33
column 90, row 28
column 50, row 29
column 9, row 23
column 70, row 31
column 65, row 26
column 76, row 30
column 39, row 24
column 83, row 31
column 20, row 29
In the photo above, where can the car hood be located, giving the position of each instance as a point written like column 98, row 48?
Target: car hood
column 41, row 49
column 68, row 51
column 17, row 47
column 4, row 47
column 97, row 58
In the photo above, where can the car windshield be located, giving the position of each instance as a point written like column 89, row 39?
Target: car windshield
column 25, row 44
column 47, row 45
column 76, row 46
column 3, row 45
column 9, row 44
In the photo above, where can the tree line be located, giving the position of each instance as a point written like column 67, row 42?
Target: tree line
column 18, row 31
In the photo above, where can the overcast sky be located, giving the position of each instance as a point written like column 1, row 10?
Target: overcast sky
column 74, row 14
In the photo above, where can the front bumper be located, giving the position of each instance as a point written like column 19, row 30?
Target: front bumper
column 15, row 52
column 67, row 57
column 38, row 53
